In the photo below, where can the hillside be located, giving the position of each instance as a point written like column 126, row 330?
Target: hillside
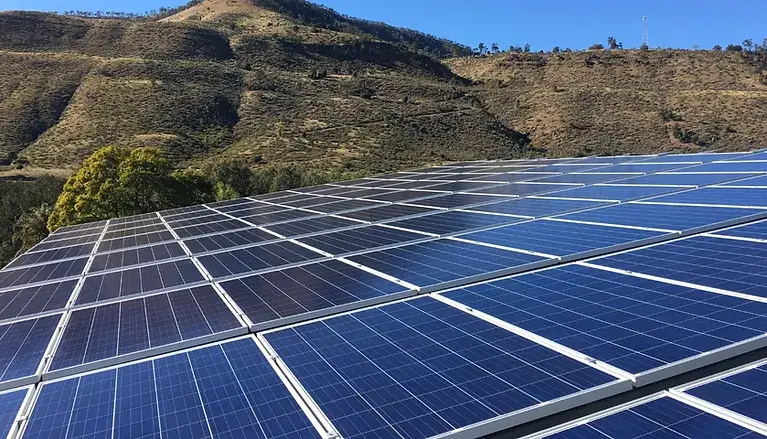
column 611, row 102
column 287, row 81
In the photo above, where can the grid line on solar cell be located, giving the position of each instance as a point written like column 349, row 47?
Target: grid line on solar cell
column 108, row 334
column 659, row 416
column 308, row 291
column 638, row 325
column 420, row 368
column 140, row 280
column 253, row 259
column 709, row 261
column 227, row 389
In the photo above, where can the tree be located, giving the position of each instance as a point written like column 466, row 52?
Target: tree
column 555, row 49
column 644, row 47
column 734, row 48
column 527, row 48
column 597, row 46
column 748, row 43
column 612, row 43
column 494, row 48
column 32, row 227
column 695, row 47
column 115, row 182
column 717, row 48
column 481, row 48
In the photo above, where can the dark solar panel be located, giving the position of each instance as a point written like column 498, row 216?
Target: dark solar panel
column 41, row 273
column 267, row 256
column 24, row 344
column 42, row 257
column 458, row 200
column 206, row 229
column 228, row 240
column 135, row 241
column 747, row 197
column 34, row 300
column 389, row 212
column 370, row 237
column 744, row 393
column 524, row 189
column 537, row 207
column 136, row 256
column 453, row 222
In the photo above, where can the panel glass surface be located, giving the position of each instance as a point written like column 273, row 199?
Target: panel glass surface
column 135, row 241
column 206, row 229
column 444, row 260
column 228, row 240
column 41, row 273
column 511, row 177
column 758, row 181
column 617, row 193
column 22, row 345
column 51, row 255
column 10, row 405
column 136, row 256
column 631, row 323
column 757, row 230
column 370, row 237
column 263, row 257
column 584, row 178
column 138, row 280
column 748, row 197
column 223, row 391
column 312, row 225
column 538, row 207
column 389, row 212
column 34, row 300
column 458, row 200
column 683, row 179
column 524, row 189
column 728, row 264
column 294, row 291
column 52, row 245
column 662, row 216
column 345, row 205
column 453, row 222
column 108, row 331
column 420, row 368
column 404, row 195
column 755, row 167
column 744, row 393
column 559, row 238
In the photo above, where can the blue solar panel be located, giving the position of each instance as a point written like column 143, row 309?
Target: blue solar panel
column 33, row 300
column 661, row 216
column 524, row 189
column 631, row 323
column 108, row 331
column 511, row 177
column 10, row 405
column 453, row 222
column 638, row 167
column 444, row 260
column 584, row 178
column 460, row 186
column 421, row 368
column 312, row 225
column 262, row 257
column 755, row 167
column 309, row 288
column 616, row 193
column 744, row 393
column 23, row 345
column 400, row 196
column 136, row 256
column 756, row 155
column 387, row 213
column 228, row 240
column 538, row 207
column 559, row 238
column 714, row 262
column 758, row 181
column 458, row 200
column 345, row 205
column 664, row 418
column 41, row 273
column 366, row 238
column 227, row 390
column 693, row 158
column 574, row 167
column 135, row 241
column 683, row 179
column 51, row 255
column 720, row 195
column 757, row 230
column 140, row 280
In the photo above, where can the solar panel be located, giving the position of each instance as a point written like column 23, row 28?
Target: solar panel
column 421, row 368
column 30, row 301
column 52, row 245
column 41, row 273
column 206, row 229
column 746, row 167
column 563, row 239
column 108, row 334
column 585, row 178
column 310, row 290
column 453, row 222
column 404, row 195
column 677, row 179
column 526, row 189
column 251, row 259
column 227, row 240
column 757, row 230
column 24, row 344
column 538, row 207
column 760, row 181
column 693, row 158
column 366, row 238
column 616, row 193
column 390, row 212
column 512, row 177
column 663, row 216
column 647, row 328
column 658, row 416
column 136, row 256
column 747, row 197
column 134, row 241
column 728, row 264
column 345, row 206
column 458, row 200
column 41, row 257
column 11, row 403
column 225, row 390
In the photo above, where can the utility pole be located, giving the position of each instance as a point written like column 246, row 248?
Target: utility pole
column 644, row 31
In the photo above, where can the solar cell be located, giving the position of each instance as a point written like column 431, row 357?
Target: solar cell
column 389, row 212
column 584, row 178
column 248, row 204
column 453, row 222
column 180, row 210
column 58, row 236
column 313, row 189
column 228, row 203
column 538, row 207
column 42, row 257
column 92, row 225
column 41, row 273
column 228, row 240
column 683, row 179
column 747, row 197
column 187, row 215
column 560, row 238
column 336, row 190
column 23, row 345
column 728, row 264
column 525, row 189
column 223, row 391
column 366, row 238
column 263, row 257
column 436, row 263
column 35, row 300
column 654, row 417
column 420, row 368
column 458, row 200
column 743, row 391
column 300, row 293
column 104, row 335
column 134, row 241
column 273, row 197
column 650, row 329
column 757, row 230
column 140, row 280
column 617, row 193
column 663, row 216
column 131, row 225
column 10, row 405
column 312, row 225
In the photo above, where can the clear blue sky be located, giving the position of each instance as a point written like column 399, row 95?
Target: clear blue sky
column 543, row 24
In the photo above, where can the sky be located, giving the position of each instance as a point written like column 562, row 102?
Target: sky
column 543, row 24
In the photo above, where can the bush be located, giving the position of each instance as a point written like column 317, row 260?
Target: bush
column 670, row 115
column 717, row 48
column 317, row 74
column 644, row 47
column 734, row 48
column 597, row 46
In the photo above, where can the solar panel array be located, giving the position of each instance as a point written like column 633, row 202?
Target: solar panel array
column 457, row 300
